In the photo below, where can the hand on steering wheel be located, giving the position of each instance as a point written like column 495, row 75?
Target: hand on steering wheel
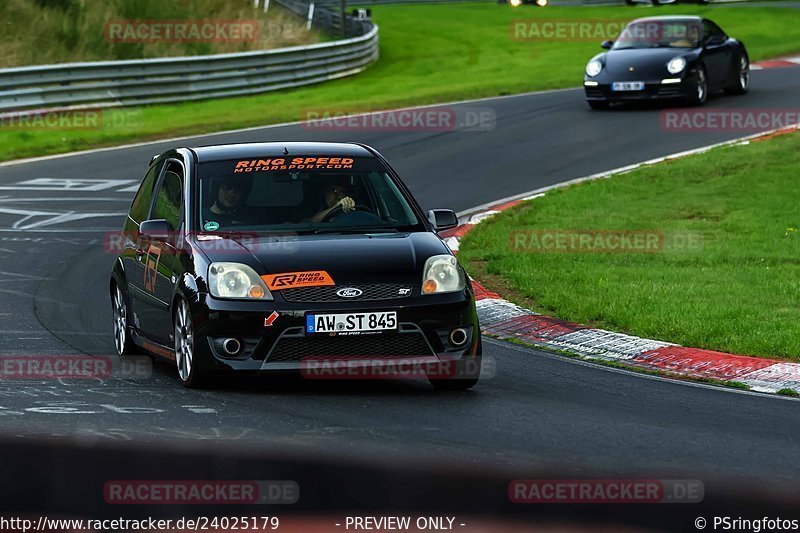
column 343, row 206
column 347, row 204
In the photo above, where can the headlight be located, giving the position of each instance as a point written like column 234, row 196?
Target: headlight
column 593, row 68
column 234, row 280
column 441, row 274
column 676, row 65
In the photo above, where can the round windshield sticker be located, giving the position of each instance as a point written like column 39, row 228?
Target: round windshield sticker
column 211, row 226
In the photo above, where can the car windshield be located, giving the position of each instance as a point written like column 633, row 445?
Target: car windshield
column 302, row 194
column 659, row 34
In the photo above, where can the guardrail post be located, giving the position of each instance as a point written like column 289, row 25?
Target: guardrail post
column 310, row 15
column 343, row 10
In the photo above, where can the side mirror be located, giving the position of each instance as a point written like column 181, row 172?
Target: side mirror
column 607, row 45
column 155, row 230
column 715, row 40
column 442, row 219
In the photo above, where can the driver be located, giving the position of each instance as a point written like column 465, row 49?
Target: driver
column 689, row 40
column 335, row 195
column 228, row 206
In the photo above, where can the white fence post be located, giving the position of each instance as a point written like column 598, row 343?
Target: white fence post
column 310, row 15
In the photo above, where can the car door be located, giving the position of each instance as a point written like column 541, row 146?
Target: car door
column 131, row 252
column 716, row 55
column 160, row 255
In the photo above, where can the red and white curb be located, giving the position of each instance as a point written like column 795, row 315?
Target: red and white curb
column 776, row 63
column 505, row 320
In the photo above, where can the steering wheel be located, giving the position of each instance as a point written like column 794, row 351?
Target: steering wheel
column 336, row 211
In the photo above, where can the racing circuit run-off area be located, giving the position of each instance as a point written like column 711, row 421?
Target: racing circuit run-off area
column 469, row 266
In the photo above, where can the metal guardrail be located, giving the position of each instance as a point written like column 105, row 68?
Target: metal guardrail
column 150, row 81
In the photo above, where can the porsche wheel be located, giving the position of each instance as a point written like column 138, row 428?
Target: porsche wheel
column 740, row 83
column 700, row 92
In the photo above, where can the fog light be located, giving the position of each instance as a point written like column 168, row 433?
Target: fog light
column 458, row 337
column 231, row 346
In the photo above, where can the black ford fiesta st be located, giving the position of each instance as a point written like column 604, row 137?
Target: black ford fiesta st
column 290, row 257
column 667, row 58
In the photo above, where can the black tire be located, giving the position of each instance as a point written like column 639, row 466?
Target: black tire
column 598, row 104
column 700, row 94
column 740, row 83
column 122, row 329
column 183, row 326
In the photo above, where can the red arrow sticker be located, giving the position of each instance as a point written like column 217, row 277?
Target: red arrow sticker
column 270, row 319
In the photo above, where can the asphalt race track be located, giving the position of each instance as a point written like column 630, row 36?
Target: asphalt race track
column 538, row 411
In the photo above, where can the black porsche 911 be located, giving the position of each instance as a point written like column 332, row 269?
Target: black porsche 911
column 671, row 58
column 275, row 256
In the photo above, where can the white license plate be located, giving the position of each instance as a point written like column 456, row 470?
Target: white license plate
column 627, row 86
column 351, row 323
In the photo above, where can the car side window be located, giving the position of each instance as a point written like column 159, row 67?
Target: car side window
column 169, row 200
column 712, row 30
column 141, row 202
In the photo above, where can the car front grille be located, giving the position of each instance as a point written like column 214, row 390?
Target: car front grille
column 378, row 291
column 595, row 92
column 294, row 346
column 669, row 91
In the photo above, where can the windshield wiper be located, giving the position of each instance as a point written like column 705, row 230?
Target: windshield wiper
column 356, row 230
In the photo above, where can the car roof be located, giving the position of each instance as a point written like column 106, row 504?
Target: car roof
column 221, row 152
column 671, row 18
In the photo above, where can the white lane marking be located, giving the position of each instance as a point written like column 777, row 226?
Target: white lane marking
column 67, row 184
column 270, row 126
column 620, row 170
column 49, row 218
column 631, row 373
column 282, row 124
column 6, row 199
column 24, row 276
column 199, row 409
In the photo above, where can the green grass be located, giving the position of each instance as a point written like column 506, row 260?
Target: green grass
column 429, row 53
column 737, row 289
column 38, row 32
